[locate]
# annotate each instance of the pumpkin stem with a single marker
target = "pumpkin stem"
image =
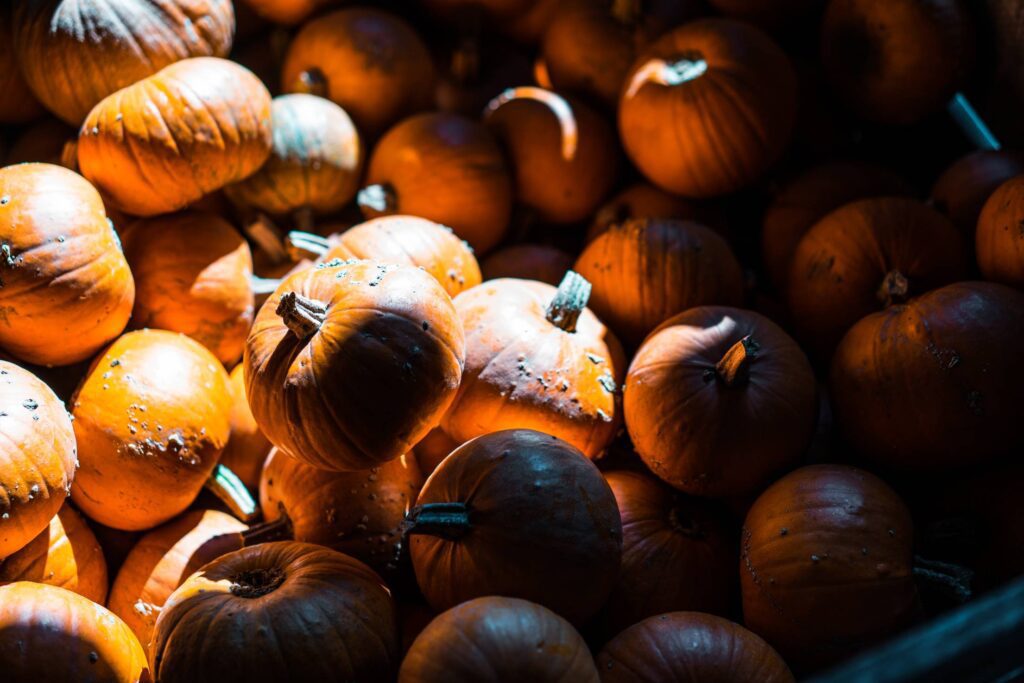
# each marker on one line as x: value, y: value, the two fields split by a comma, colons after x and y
x: 570, y: 300
x: 304, y: 219
x: 950, y: 580
x: 306, y: 245
x: 281, y: 529
x: 377, y: 198
x: 302, y: 315
x: 230, y: 490
x: 627, y: 11
x: 894, y: 288
x: 734, y: 368
x: 253, y: 583
x: 683, y: 524
x: 689, y: 67
x: 556, y: 104
x: 264, y: 233
x: 445, y: 520
x: 262, y: 286
x: 311, y: 82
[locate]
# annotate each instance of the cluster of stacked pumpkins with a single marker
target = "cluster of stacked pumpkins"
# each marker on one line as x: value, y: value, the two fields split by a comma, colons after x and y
x: 513, y: 340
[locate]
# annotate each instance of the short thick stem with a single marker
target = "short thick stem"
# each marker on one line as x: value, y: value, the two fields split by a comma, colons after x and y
x: 377, y: 198
x: 305, y: 245
x: 734, y: 368
x: 230, y: 490
x: 569, y: 302
x: 894, y: 288
x: 683, y: 524
x: 264, y: 233
x: 302, y: 315
x: 280, y: 529
x: 312, y: 82
x: 253, y: 583
x: 445, y: 520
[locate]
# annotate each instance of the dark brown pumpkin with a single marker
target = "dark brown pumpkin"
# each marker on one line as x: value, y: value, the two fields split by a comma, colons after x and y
x: 963, y: 188
x: 18, y: 104
x: 537, y: 262
x: 999, y: 241
x: 642, y: 200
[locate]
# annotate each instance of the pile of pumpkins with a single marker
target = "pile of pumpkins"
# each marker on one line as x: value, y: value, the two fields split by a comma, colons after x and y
x: 498, y: 340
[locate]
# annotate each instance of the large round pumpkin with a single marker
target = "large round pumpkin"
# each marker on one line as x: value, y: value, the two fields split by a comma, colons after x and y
x: 645, y: 271
x: 719, y: 400
x: 498, y: 517
x: 538, y: 262
x: 67, y: 289
x: 925, y: 385
x: 999, y: 241
x: 963, y: 188
x: 167, y: 140
x: 18, y: 105
x: 247, y: 447
x: 349, y: 364
x: 826, y: 564
x: 708, y: 107
x: 277, y: 612
x: 498, y: 639
x: 151, y: 419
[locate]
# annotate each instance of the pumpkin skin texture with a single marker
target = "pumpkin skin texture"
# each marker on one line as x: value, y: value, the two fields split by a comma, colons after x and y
x: 498, y: 639
x: 526, y: 370
x: 38, y: 460
x: 539, y: 523
x: 67, y: 287
x: 864, y: 257
x: 19, y: 105
x: 384, y: 336
x: 331, y: 616
x: 193, y: 275
x: 718, y: 400
x: 52, y: 634
x: 1000, y: 239
x: 151, y: 419
x: 528, y: 262
x: 690, y: 647
x: 66, y: 554
x: 922, y: 386
x: 825, y: 565
x: 963, y: 188
x: 445, y: 168
x: 247, y: 448
x: 643, y: 200
x: 369, y: 62
x: 316, y: 161
x: 647, y: 270
x: 713, y: 121
x: 184, y: 132
x: 288, y: 12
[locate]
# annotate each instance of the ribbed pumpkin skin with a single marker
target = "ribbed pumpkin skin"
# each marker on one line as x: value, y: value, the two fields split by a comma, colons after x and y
x: 167, y: 140
x: 247, y: 448
x: 643, y: 200
x: 18, y: 104
x: 52, y: 635
x: 330, y: 619
x: 66, y: 554
x: 67, y: 289
x: 38, y: 458
x: 127, y: 40
x: 1000, y: 237
x: 498, y: 639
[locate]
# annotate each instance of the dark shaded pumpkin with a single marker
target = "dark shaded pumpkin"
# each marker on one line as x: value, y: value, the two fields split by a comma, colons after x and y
x: 642, y: 200
x: 477, y: 68
x: 247, y: 448
x: 999, y: 241
x: 432, y: 449
x: 964, y: 187
x: 528, y: 262
x: 18, y: 105
x: 48, y: 141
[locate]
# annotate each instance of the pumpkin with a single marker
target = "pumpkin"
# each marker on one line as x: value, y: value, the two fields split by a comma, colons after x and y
x: 247, y: 448
x: 498, y: 11
x: 38, y: 460
x: 445, y: 168
x: 719, y: 400
x: 19, y: 105
x: 678, y: 552
x: 349, y: 364
x: 315, y: 163
x: 528, y: 28
x: 67, y: 289
x: 690, y: 647
x: 643, y: 200
x: 151, y: 418
x: 289, y: 12
x: 45, y: 141
x: 432, y: 449
x: 923, y: 386
x: 476, y: 70
x: 65, y: 554
x: 495, y: 638
x: 708, y: 108
x: 645, y: 271
x: 276, y: 612
x: 536, y: 358
x: 896, y: 61
x: 773, y: 14
x: 1000, y: 238
x: 167, y: 140
x: 322, y: 508
x: 963, y: 188
x: 369, y: 62
x: 863, y: 257
x: 564, y: 154
x: 74, y: 54
x: 68, y: 638
x: 193, y: 275
x: 528, y: 262
x: 826, y: 564
x: 808, y: 198
x: 498, y: 518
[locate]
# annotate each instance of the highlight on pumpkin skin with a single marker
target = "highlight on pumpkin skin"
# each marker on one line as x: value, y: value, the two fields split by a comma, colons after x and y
x: 556, y: 103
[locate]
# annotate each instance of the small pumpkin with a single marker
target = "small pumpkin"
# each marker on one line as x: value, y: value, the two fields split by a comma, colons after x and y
x: 645, y: 271
x: 963, y: 188
x: 74, y: 54
x: 445, y: 168
x: 826, y: 564
x: 496, y: 518
x: 432, y: 449
x: 537, y: 358
x: 19, y: 105
x: 247, y: 447
x: 999, y: 239
x: 349, y: 364
x: 369, y: 62
x: 332, y: 619
x: 70, y: 638
x: 690, y: 647
x: 538, y: 262
x: 288, y: 12
x: 167, y: 140
x: 708, y: 108
x: 151, y: 419
x: 495, y: 638
x: 643, y: 200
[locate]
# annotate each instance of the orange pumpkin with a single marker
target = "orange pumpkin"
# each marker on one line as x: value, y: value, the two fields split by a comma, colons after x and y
x: 642, y: 200
x: 73, y: 54
x: 432, y: 449
x: 288, y: 12
x: 247, y: 448
x: 369, y: 62
x: 18, y: 105
x: 445, y: 168
x: 963, y: 188
x: 67, y: 289
x: 708, y: 108
x: 478, y: 68
x: 528, y: 262
x: 165, y: 141
x: 349, y: 364
x: 151, y: 419
x: 1000, y: 237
